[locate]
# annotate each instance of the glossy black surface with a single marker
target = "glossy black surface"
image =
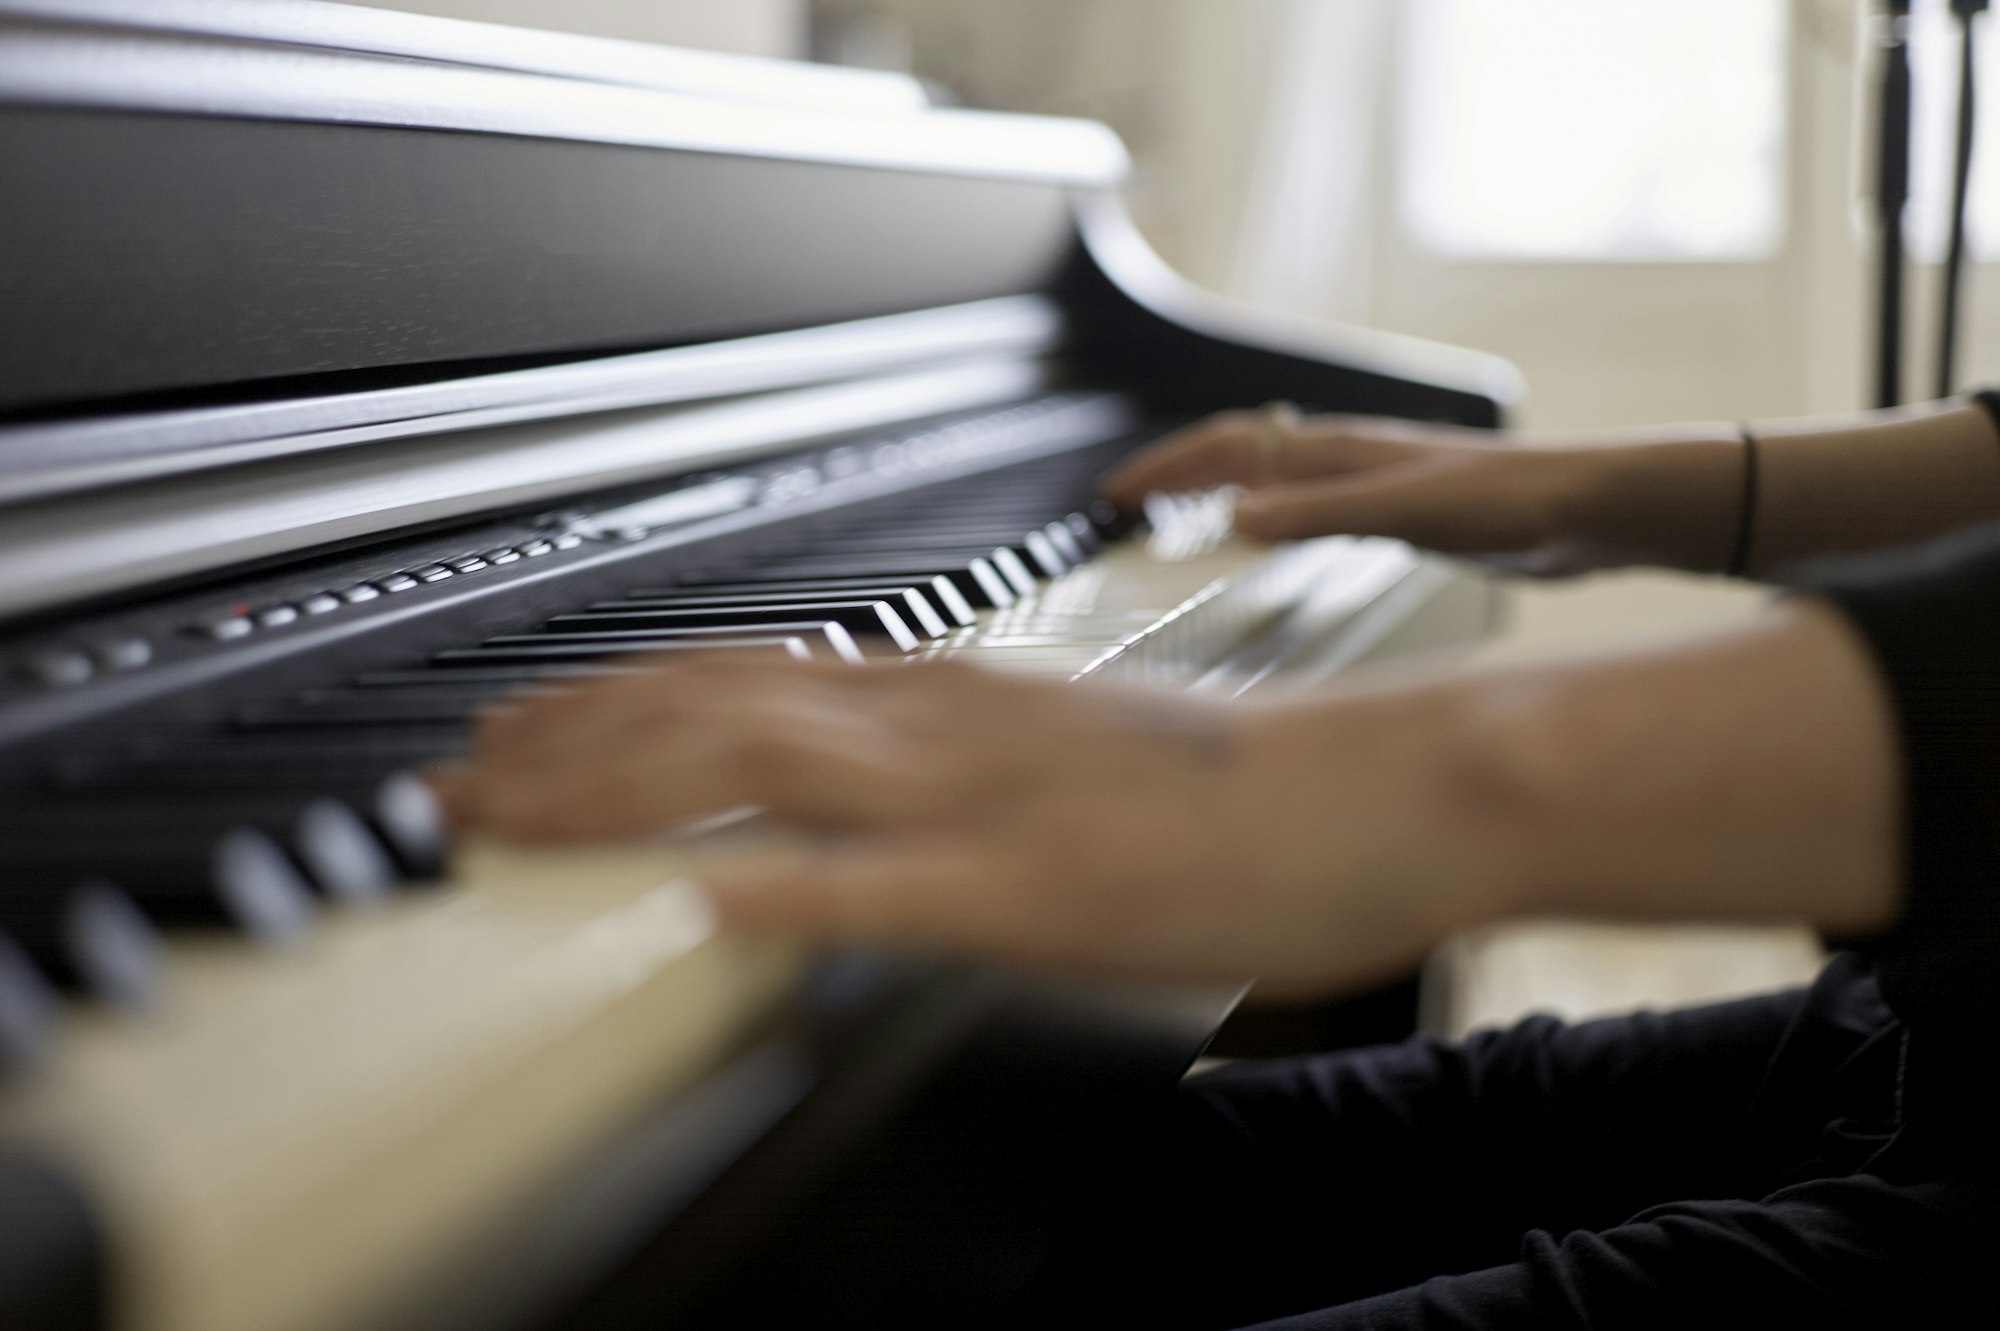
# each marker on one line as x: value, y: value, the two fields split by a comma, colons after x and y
x: 145, y: 253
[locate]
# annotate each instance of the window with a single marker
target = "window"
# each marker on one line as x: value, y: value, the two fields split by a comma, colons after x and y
x: 1594, y: 129
x: 1934, y: 67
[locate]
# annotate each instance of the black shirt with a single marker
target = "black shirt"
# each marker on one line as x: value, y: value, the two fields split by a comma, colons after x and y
x: 1931, y: 617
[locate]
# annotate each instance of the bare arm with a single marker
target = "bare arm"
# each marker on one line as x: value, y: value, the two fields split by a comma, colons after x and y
x: 1869, y: 482
x: 1318, y: 843
x: 1668, y: 496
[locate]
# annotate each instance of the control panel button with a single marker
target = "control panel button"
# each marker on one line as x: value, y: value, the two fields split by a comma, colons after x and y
x: 397, y: 582
x: 465, y: 564
x: 276, y: 616
x: 61, y: 667
x: 324, y: 603
x: 535, y: 549
x: 225, y: 627
x: 431, y: 573
x: 359, y: 593
x: 569, y: 540
x: 123, y: 653
x: 501, y: 556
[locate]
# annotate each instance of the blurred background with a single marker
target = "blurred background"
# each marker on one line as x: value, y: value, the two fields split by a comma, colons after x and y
x: 1658, y: 211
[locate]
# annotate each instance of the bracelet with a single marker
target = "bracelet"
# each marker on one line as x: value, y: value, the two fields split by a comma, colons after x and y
x: 1275, y: 423
x: 1746, y: 512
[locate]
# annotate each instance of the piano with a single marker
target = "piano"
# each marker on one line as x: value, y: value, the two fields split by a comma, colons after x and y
x: 359, y: 371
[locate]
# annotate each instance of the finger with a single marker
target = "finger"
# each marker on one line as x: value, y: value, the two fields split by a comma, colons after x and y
x: 804, y: 759
x: 1428, y: 505
x: 543, y: 731
x: 1224, y: 450
x: 620, y: 796
x: 1212, y: 452
x: 898, y: 890
x: 948, y: 894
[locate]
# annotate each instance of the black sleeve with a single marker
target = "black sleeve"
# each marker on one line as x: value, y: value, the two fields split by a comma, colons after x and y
x: 1931, y: 616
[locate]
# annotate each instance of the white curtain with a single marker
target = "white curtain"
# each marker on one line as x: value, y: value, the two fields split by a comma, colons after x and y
x: 1253, y: 123
x: 1305, y: 236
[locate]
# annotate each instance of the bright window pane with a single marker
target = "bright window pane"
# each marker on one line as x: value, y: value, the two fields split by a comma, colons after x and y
x: 1934, y: 66
x: 1594, y: 129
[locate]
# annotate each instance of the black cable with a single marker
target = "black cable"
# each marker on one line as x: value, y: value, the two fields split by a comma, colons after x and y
x: 1961, y: 182
x: 1892, y: 192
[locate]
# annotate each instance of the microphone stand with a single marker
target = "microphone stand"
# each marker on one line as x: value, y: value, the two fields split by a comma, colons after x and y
x: 1892, y: 192
x: 1954, y: 263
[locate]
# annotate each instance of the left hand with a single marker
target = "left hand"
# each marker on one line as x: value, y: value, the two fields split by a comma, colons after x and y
x: 1029, y: 821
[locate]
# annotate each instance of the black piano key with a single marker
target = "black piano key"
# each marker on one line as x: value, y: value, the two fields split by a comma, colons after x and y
x: 341, y: 854
x: 406, y: 814
x: 28, y: 1010
x: 517, y: 677
x: 941, y: 593
x: 1112, y: 522
x: 87, y: 936
x: 1066, y: 543
x: 304, y: 762
x: 248, y: 875
x: 336, y: 848
x: 979, y: 576
x: 1036, y: 554
x: 391, y: 805
x: 874, y: 618
x: 110, y: 948
x: 1006, y: 549
x: 444, y: 703
x: 947, y: 528
x: 184, y: 875
x: 827, y: 634
x: 952, y: 529
x: 909, y: 603
x: 457, y: 672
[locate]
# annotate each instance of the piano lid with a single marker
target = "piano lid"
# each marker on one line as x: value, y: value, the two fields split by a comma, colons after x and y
x: 372, y: 31
x: 254, y: 200
x: 302, y: 60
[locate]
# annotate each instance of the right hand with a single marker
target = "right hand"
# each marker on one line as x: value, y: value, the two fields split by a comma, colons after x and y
x: 1532, y: 506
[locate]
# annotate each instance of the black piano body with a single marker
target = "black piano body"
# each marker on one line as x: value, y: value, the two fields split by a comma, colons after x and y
x: 333, y: 341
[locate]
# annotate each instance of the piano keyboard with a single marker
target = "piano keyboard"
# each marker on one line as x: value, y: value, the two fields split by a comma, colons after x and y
x: 296, y: 1118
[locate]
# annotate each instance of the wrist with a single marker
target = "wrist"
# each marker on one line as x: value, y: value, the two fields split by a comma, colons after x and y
x: 1672, y: 502
x: 1874, y: 481
x: 1747, y: 774
x: 1406, y: 782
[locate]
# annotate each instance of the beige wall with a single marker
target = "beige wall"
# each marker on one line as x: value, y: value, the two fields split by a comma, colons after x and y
x: 1175, y: 78
x: 1195, y: 86
x: 749, y: 27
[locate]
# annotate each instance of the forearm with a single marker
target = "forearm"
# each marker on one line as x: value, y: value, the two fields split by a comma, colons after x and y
x: 1824, y: 486
x: 1887, y: 479
x: 1749, y: 775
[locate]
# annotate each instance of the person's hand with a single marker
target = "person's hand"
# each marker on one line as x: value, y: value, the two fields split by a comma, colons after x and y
x: 1054, y: 825
x: 1536, y: 505
x: 1315, y: 844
